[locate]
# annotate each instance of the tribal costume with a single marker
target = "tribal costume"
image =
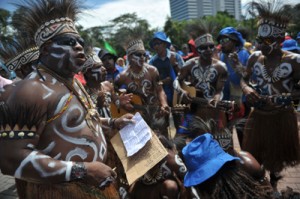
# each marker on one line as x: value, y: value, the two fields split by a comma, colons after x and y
x: 271, y: 133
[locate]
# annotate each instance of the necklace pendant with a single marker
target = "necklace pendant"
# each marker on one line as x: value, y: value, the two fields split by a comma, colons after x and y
x: 91, y: 115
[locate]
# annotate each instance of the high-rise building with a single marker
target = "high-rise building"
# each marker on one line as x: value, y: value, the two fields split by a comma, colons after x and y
x: 191, y: 9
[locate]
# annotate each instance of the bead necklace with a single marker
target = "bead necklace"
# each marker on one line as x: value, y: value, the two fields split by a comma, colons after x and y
x: 139, y: 75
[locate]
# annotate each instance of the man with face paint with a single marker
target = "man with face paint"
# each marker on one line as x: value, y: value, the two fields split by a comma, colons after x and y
x: 102, y: 93
x: 51, y: 135
x: 142, y: 80
x: 207, y: 75
x: 271, y: 133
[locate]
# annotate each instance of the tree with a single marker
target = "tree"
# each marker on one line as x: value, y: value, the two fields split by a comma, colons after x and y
x: 6, y: 33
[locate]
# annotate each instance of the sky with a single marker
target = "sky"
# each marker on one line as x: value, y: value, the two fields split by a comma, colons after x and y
x: 100, y: 12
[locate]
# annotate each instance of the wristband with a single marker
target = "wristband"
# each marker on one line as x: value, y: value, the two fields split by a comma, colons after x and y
x: 78, y: 171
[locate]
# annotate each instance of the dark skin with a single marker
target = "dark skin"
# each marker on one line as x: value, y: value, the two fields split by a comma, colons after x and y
x: 205, y: 59
x: 65, y: 60
x: 270, y: 60
x: 136, y: 65
x: 95, y: 78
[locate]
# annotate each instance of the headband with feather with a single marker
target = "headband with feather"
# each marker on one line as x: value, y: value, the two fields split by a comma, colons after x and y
x: 204, y: 30
x: 45, y: 19
x: 19, y: 52
x: 272, y: 18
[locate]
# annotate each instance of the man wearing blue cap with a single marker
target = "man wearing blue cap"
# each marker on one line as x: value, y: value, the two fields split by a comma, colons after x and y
x: 167, y: 63
x: 232, y: 42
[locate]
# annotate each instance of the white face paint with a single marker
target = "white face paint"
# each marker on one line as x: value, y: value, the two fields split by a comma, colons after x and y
x: 66, y: 55
x: 139, y: 61
x: 96, y: 73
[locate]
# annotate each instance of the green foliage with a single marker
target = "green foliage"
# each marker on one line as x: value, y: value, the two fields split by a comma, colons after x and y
x: 6, y: 32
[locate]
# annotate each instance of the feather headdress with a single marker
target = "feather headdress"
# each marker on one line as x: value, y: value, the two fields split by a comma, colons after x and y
x: 44, y: 19
x: 272, y: 18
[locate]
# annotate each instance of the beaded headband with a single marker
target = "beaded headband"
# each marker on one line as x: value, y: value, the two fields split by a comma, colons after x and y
x: 270, y: 28
x: 135, y: 46
x: 225, y: 140
x: 27, y: 56
x: 52, y: 28
x: 203, y: 39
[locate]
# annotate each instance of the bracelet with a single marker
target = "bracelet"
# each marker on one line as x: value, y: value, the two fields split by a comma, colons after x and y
x: 111, y: 122
x: 78, y: 171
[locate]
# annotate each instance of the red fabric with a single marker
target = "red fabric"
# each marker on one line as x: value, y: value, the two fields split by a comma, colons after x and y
x: 193, y: 48
x: 80, y: 77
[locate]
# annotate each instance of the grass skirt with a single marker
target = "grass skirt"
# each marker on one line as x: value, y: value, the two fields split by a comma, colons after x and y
x: 69, y: 190
x: 272, y: 138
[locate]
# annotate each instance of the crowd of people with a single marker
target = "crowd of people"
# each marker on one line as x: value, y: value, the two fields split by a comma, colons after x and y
x: 61, y: 102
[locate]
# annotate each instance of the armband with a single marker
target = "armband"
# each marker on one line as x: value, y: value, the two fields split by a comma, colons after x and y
x: 78, y: 171
x: 14, y: 135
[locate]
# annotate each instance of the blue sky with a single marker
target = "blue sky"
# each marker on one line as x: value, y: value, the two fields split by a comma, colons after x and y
x: 100, y: 12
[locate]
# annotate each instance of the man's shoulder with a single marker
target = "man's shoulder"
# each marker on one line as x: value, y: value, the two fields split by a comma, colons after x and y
x: 219, y: 64
x: 150, y: 67
x: 255, y: 55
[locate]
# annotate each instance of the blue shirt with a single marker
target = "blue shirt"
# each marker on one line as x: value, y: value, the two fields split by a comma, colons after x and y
x: 112, y: 76
x: 233, y: 78
x: 165, y: 70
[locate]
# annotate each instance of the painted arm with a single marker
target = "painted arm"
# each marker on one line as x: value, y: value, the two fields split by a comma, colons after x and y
x: 22, y: 125
x: 248, y: 91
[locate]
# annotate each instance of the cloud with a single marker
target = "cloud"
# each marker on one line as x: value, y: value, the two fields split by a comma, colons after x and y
x: 154, y: 11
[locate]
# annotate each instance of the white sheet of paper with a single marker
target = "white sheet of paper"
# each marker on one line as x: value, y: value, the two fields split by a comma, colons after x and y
x: 135, y: 135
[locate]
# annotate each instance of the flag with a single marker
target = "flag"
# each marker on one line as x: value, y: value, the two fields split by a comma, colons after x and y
x: 109, y: 48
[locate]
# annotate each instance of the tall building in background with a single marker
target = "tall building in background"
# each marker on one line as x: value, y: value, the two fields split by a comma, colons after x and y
x: 191, y: 9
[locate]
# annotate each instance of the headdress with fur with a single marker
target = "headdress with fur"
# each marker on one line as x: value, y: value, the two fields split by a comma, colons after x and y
x: 92, y: 58
x: 272, y: 18
x: 45, y: 19
x: 135, y: 45
x: 205, y: 30
x: 19, y: 52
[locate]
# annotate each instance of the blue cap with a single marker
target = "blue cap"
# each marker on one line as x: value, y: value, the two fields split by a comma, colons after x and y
x: 298, y: 35
x: 290, y: 44
x: 161, y: 36
x: 203, y: 157
x: 233, y: 34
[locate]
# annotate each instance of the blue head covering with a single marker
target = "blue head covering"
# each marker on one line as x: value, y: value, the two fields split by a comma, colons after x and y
x: 203, y: 157
x: 233, y: 34
x: 290, y: 44
x: 161, y: 36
